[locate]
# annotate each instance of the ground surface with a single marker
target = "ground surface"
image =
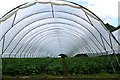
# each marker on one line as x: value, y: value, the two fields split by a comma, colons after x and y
x: 72, y: 77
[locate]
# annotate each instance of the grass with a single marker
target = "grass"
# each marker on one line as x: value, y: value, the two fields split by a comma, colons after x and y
x: 101, y: 75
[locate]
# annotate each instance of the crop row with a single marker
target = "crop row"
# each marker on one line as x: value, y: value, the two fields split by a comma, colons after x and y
x: 55, y: 66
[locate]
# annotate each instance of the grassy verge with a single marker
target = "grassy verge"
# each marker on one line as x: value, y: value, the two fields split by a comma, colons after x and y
x: 101, y: 75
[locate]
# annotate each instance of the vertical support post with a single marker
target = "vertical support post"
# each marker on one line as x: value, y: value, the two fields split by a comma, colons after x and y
x: 113, y: 51
x: 108, y: 55
x: 3, y: 43
x: 111, y: 44
x: 1, y: 51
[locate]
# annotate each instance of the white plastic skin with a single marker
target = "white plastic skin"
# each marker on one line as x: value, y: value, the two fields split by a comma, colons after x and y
x: 52, y: 27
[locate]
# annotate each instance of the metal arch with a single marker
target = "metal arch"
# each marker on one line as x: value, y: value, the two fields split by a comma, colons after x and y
x: 103, y: 44
x: 81, y: 7
x: 78, y: 32
x: 37, y: 37
x: 70, y: 20
x: 41, y: 19
x: 98, y: 31
x: 51, y: 3
x: 98, y: 19
x: 64, y: 23
x: 49, y: 17
x: 87, y: 48
x: 15, y: 36
x: 3, y: 43
x: 34, y: 41
x: 66, y: 27
x: 13, y: 20
x: 50, y: 36
x: 46, y: 43
x: 111, y: 44
x: 34, y: 35
x: 28, y: 43
x: 95, y: 44
x: 82, y: 38
x: 71, y: 37
x: 14, y: 9
x: 54, y: 17
x: 42, y: 47
x: 45, y: 39
x: 30, y: 50
x: 98, y: 49
x: 18, y: 32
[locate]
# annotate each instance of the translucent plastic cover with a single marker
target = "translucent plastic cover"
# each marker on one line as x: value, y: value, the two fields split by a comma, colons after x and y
x: 49, y: 28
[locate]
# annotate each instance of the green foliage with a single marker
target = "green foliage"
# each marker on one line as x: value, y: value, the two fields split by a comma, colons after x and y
x: 111, y: 28
x: 54, y: 66
x: 22, y: 66
x: 63, y: 55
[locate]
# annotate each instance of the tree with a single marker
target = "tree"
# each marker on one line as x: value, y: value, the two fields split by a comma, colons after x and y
x: 110, y: 27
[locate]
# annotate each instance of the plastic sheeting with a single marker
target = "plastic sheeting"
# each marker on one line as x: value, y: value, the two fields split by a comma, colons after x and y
x: 49, y: 28
x: 117, y: 34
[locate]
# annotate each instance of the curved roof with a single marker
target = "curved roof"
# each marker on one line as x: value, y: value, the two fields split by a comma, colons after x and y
x: 46, y: 28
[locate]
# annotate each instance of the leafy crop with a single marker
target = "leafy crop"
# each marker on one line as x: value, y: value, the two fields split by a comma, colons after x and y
x: 54, y: 66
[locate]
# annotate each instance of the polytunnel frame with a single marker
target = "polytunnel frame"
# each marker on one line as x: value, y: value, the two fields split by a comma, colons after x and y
x: 31, y: 23
x: 38, y: 40
x: 66, y: 27
x: 11, y: 52
x: 64, y: 35
x: 81, y: 7
x: 37, y: 34
x: 72, y: 34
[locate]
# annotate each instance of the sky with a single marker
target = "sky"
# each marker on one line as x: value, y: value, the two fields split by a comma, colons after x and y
x: 107, y: 10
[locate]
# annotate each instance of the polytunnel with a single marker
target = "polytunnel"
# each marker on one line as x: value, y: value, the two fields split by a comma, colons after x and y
x: 47, y: 28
